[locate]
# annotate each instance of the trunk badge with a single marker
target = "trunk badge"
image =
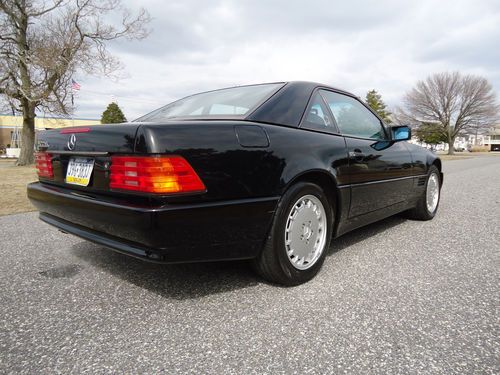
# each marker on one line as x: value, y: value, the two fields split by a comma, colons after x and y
x: 71, y: 142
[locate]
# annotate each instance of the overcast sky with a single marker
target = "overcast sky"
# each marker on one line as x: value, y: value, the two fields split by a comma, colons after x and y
x: 356, y: 45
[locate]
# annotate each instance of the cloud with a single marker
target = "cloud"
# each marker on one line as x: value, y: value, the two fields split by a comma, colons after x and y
x: 356, y: 45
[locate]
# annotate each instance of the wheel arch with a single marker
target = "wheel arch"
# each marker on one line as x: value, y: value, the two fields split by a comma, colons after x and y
x: 329, y: 185
x: 438, y: 164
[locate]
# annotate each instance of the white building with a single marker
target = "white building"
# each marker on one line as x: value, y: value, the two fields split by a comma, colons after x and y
x: 493, y: 138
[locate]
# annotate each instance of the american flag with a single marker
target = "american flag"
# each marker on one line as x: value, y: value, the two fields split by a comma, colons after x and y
x: 75, y: 85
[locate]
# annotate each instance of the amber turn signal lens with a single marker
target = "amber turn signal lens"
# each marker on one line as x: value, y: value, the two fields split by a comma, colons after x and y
x: 154, y: 174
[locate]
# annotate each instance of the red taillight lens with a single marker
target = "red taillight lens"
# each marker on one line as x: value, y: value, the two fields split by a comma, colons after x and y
x: 154, y: 174
x: 43, y: 163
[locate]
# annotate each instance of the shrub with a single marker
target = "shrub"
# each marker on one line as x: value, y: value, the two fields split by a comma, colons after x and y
x: 479, y: 149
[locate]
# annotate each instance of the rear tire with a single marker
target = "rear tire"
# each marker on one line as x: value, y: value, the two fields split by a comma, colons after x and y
x: 428, y: 202
x: 299, y: 238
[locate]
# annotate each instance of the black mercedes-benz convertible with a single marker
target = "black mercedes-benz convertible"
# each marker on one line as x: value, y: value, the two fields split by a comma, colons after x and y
x: 268, y: 172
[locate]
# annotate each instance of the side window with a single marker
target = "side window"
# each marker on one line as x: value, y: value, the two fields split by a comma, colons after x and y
x: 317, y: 116
x: 352, y: 117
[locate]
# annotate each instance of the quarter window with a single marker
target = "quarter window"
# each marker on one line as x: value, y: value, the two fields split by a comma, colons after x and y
x: 317, y: 116
x: 352, y: 117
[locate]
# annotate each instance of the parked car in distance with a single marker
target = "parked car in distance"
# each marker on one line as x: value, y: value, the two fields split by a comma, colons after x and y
x: 269, y: 173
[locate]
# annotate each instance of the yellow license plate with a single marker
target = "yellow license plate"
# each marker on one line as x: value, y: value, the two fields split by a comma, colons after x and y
x: 79, y: 171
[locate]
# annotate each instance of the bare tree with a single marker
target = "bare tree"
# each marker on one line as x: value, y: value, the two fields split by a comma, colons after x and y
x: 43, y: 43
x: 455, y: 103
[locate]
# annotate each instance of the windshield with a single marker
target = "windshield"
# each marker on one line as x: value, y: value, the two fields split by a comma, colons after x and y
x: 232, y: 102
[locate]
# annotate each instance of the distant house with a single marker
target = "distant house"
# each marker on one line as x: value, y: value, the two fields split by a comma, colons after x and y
x: 493, y: 138
x: 489, y: 138
x: 11, y: 127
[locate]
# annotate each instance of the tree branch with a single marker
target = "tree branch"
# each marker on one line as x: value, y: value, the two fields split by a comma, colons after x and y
x: 40, y: 13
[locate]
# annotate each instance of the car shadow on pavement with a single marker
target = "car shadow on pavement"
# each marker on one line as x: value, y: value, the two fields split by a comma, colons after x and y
x: 352, y: 238
x: 177, y: 281
x: 196, y: 280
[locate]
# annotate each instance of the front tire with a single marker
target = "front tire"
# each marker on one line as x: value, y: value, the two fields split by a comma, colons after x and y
x: 299, y: 238
x: 428, y: 202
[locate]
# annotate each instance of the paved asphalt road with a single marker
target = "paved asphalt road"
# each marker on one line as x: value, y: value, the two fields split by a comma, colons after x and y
x: 395, y: 297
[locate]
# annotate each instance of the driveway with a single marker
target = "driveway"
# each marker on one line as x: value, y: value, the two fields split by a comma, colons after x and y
x: 399, y: 296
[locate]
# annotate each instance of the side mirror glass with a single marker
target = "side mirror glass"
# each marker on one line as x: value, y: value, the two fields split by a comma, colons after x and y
x: 400, y: 133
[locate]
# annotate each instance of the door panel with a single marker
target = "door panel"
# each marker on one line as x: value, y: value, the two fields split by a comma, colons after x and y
x: 380, y: 170
x: 380, y: 173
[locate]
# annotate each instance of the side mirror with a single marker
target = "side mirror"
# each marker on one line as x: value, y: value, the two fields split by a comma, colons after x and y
x: 400, y: 133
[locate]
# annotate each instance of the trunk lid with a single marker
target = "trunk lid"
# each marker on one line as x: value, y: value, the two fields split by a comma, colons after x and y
x: 118, y: 138
x: 93, y: 144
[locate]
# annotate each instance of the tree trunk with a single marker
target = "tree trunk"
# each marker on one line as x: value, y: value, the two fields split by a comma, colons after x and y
x: 28, y: 106
x: 451, y: 148
x: 451, y: 143
x: 28, y: 136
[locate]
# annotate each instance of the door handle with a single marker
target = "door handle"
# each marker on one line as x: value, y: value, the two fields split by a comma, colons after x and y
x: 356, y: 154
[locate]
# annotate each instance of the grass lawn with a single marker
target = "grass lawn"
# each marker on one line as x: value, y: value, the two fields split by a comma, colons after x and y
x: 13, y: 181
x: 465, y: 155
x: 454, y: 157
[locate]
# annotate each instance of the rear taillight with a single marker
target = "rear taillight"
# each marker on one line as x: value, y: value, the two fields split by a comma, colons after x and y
x: 154, y: 174
x: 43, y: 161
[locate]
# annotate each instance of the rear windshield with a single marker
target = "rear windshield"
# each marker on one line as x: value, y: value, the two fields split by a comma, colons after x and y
x: 231, y: 102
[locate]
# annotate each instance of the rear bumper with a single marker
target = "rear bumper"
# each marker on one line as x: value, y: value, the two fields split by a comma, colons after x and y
x: 168, y: 234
